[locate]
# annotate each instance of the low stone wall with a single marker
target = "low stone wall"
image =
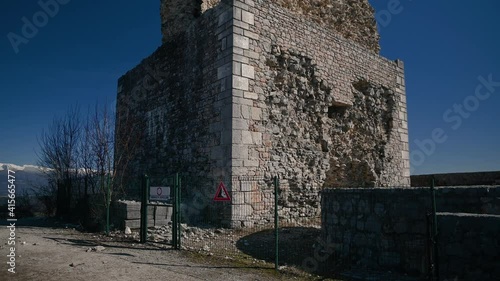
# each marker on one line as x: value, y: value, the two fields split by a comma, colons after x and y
x: 128, y: 214
x: 378, y: 229
x: 386, y: 229
x: 469, y: 246
x: 454, y: 179
x: 469, y: 199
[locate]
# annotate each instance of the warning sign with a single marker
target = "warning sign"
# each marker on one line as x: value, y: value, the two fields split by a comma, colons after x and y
x: 222, y: 194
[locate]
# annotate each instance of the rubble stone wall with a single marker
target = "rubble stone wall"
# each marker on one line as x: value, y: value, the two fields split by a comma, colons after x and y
x: 313, y: 107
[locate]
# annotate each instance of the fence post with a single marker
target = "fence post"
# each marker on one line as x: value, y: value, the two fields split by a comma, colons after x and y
x: 144, y: 208
x: 174, y: 215
x: 276, y: 221
x: 108, y: 203
x: 435, y: 231
x: 179, y: 209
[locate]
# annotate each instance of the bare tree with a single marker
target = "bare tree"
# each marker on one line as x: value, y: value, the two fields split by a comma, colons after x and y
x: 103, y: 141
x: 101, y: 132
x: 83, y: 158
x: 87, y: 159
x: 59, y: 152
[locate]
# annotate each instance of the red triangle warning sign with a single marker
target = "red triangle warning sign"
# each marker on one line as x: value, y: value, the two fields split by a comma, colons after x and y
x: 222, y: 194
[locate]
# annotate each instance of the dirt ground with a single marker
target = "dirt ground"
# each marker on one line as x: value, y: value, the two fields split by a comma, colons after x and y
x: 45, y: 251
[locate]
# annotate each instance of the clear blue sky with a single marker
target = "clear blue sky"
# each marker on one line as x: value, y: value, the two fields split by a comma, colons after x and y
x: 78, y: 55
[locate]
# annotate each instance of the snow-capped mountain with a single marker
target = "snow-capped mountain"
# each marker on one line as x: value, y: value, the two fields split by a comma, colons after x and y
x: 28, y: 177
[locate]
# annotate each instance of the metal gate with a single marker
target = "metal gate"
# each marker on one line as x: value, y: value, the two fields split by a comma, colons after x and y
x: 231, y: 218
x: 167, y: 196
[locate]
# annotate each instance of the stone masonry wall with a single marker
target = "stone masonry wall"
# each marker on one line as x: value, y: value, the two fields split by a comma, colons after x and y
x: 182, y: 103
x: 353, y: 19
x: 245, y: 90
x: 454, y: 179
x: 385, y: 229
x: 469, y: 246
x: 314, y: 108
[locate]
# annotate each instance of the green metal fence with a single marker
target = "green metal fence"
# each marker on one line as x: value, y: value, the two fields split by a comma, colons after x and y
x: 247, y: 220
x: 242, y: 225
x: 232, y: 218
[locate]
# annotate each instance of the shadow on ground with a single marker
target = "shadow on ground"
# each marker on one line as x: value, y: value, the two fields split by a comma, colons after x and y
x: 302, y: 247
x: 296, y: 244
x: 42, y: 222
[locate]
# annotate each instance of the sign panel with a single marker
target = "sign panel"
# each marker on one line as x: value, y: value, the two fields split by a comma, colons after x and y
x: 222, y: 194
x: 159, y: 193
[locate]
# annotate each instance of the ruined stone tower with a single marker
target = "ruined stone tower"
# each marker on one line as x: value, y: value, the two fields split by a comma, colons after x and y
x: 242, y: 90
x: 353, y: 19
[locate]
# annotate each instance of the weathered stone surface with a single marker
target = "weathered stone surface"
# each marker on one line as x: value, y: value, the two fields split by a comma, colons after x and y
x: 354, y: 19
x: 250, y: 89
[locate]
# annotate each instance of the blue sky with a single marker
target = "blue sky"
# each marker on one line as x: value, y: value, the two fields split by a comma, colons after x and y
x: 79, y: 53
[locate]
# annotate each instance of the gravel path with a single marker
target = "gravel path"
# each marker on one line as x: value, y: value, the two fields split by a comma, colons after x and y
x: 48, y: 253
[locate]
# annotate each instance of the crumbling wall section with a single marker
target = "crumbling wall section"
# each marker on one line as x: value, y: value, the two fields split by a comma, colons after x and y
x: 313, y: 107
x: 353, y: 19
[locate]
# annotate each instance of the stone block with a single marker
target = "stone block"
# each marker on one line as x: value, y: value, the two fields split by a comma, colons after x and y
x: 224, y: 17
x: 240, y: 58
x: 246, y: 186
x: 252, y: 96
x: 240, y: 24
x: 136, y: 223
x: 240, y: 83
x: 241, y: 41
x: 237, y: 68
x: 247, y: 71
x: 248, y: 17
x: 251, y: 35
x: 256, y: 137
x: 242, y: 211
x: 246, y: 137
x: 236, y: 137
x: 239, y: 152
x: 236, y: 13
x: 163, y: 212
x: 224, y: 71
x: 238, y: 198
x: 251, y: 163
x: 253, y: 197
x: 405, y: 155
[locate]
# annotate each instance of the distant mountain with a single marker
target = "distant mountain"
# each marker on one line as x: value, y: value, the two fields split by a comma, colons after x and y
x: 28, y: 177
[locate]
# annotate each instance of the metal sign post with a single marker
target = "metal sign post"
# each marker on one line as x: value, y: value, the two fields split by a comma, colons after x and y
x: 144, y: 208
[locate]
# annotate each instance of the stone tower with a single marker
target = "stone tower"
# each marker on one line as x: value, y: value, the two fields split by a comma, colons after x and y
x: 243, y: 90
x: 353, y: 19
